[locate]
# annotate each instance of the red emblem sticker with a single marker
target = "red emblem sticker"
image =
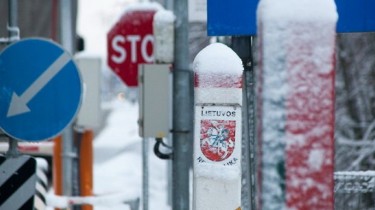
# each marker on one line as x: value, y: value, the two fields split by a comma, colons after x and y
x: 217, y: 139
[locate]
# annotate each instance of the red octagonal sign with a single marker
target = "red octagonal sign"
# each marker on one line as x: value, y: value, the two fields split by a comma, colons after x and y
x: 130, y: 42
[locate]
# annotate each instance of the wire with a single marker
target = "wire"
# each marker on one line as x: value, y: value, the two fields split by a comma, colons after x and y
x: 158, y: 153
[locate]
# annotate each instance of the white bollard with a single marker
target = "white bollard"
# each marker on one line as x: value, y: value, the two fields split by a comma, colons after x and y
x: 296, y: 104
x: 218, y: 129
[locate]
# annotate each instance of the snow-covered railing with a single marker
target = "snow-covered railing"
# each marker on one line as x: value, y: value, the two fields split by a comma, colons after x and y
x: 354, y: 181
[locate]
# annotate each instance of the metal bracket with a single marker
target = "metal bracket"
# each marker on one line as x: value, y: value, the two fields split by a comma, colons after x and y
x: 15, y: 35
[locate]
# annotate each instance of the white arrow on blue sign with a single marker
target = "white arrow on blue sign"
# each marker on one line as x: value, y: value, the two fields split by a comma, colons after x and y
x: 40, y: 89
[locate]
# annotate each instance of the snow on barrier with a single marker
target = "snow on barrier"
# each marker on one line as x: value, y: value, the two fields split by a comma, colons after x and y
x: 296, y: 104
x: 217, y: 139
x: 353, y: 189
x: 354, y: 182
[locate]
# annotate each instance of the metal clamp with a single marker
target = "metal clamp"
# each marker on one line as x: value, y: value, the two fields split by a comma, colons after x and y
x: 15, y: 35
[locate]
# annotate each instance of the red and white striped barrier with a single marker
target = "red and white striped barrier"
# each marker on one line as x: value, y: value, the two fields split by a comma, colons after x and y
x: 217, y: 139
x: 32, y: 148
x: 296, y: 104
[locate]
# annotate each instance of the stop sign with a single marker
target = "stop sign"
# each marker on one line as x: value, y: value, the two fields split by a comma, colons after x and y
x: 130, y: 42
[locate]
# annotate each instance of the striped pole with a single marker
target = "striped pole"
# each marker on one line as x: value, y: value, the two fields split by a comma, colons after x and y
x: 218, y: 129
x: 17, y: 182
x: 41, y: 184
x: 296, y: 104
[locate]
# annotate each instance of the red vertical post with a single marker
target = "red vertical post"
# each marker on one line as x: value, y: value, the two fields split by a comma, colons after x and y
x: 296, y: 104
x: 57, y: 167
x: 86, y: 166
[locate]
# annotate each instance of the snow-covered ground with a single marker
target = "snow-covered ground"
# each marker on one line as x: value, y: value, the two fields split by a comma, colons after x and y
x: 118, y: 160
x: 118, y: 165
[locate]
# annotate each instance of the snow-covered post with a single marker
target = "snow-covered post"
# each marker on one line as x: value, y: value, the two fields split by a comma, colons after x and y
x: 296, y: 104
x: 163, y: 28
x: 217, y: 138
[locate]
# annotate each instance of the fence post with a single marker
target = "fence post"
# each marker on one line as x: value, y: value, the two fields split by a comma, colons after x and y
x: 296, y: 104
x: 86, y: 165
x: 57, y: 167
x: 218, y: 129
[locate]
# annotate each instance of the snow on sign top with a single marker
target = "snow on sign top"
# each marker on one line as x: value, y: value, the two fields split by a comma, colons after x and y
x: 143, y: 6
x: 163, y: 26
x: 218, y: 58
x: 303, y: 9
x: 164, y: 16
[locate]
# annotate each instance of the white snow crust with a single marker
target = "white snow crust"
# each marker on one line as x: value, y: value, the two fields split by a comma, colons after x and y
x: 164, y: 36
x: 298, y: 10
x: 143, y: 6
x: 164, y: 17
x: 218, y: 58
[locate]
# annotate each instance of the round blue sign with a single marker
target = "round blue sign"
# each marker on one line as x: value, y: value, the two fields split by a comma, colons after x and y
x: 40, y: 90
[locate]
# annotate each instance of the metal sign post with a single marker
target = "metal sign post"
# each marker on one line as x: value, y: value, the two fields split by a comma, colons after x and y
x: 13, y: 36
x: 218, y: 129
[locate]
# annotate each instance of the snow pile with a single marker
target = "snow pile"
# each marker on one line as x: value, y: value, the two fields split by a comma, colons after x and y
x: 218, y: 75
x: 118, y: 161
x: 295, y: 88
x: 164, y: 36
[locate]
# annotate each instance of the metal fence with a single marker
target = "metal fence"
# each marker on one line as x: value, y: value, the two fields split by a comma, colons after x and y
x: 354, y: 190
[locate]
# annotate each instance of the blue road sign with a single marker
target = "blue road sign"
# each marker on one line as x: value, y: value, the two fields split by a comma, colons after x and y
x: 239, y: 17
x: 40, y: 90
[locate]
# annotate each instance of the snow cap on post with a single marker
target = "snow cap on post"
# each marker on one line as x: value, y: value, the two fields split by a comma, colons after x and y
x: 164, y: 36
x: 217, y: 69
x: 143, y: 6
x: 297, y: 10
